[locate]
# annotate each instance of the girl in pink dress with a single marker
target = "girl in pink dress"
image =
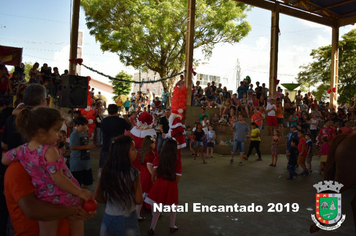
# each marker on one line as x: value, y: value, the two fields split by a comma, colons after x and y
x: 42, y: 160
x: 167, y: 171
x: 146, y: 158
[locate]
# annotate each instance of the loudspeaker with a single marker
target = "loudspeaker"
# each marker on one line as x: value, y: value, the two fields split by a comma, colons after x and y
x: 74, y: 92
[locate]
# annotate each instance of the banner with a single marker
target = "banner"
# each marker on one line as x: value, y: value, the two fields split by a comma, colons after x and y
x: 10, y: 56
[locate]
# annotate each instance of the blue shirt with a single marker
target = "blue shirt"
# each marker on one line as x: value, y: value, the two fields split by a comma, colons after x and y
x: 79, y: 159
x: 290, y: 137
x: 241, y: 129
x: 127, y: 104
x: 165, y: 96
x: 310, y: 145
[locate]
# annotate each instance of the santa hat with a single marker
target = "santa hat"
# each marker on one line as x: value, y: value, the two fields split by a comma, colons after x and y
x: 145, y: 119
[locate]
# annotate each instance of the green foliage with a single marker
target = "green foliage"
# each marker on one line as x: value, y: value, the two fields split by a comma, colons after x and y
x: 121, y: 88
x: 28, y: 66
x: 151, y: 34
x: 318, y: 72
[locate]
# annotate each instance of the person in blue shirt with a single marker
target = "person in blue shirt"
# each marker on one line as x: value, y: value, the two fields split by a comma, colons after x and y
x: 293, y: 134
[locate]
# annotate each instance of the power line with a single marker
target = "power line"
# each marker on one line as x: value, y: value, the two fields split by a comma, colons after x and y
x: 33, y: 18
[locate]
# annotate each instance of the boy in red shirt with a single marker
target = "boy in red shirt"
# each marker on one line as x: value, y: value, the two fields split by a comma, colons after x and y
x: 302, y: 149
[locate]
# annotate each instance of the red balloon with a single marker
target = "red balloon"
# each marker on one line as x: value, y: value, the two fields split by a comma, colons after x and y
x: 90, y: 205
x: 181, y: 104
x: 83, y: 112
x: 334, y: 90
x: 329, y: 91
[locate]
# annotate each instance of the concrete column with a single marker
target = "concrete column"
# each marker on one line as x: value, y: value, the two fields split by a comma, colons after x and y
x: 189, y: 49
x: 274, y: 50
x: 334, y: 65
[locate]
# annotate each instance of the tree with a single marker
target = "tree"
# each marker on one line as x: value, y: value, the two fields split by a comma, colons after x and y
x: 152, y: 34
x: 121, y: 88
x: 28, y: 66
x: 318, y: 72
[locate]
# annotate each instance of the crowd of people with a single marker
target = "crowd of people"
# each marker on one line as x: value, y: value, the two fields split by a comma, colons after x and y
x: 44, y: 191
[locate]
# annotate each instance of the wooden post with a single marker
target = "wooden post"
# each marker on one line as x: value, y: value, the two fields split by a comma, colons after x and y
x: 74, y: 36
x: 274, y: 50
x: 334, y: 65
x: 189, y: 49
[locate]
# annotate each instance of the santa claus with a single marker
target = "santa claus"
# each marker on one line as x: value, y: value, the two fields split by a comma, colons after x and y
x: 143, y: 128
x: 176, y: 129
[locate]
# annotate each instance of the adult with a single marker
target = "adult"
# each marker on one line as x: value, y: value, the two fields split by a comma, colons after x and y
x: 241, y: 90
x: 149, y: 96
x: 111, y: 126
x: 257, y: 118
x: 327, y: 130
x: 240, y: 129
x: 202, y: 114
x: 163, y: 129
x: 292, y: 135
x: 258, y: 90
x: 165, y: 97
x: 157, y: 103
x: 14, y: 83
x: 264, y: 91
x: 213, y: 86
x: 57, y: 81
x: 24, y: 208
x: 271, y: 116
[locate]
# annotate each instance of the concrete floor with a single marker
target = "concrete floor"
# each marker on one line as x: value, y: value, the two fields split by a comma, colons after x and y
x: 220, y: 183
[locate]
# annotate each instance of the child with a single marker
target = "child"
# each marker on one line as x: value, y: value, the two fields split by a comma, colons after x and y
x: 199, y: 136
x: 324, y: 150
x: 292, y: 160
x: 302, y: 149
x: 188, y: 134
x: 222, y: 123
x: 309, y: 150
x: 63, y: 146
x: 80, y: 163
x: 41, y: 158
x: 167, y: 170
x: 119, y: 186
x: 211, y: 136
x: 205, y: 127
x: 255, y: 141
x: 127, y: 106
x: 274, y: 149
x: 146, y: 157
x: 215, y: 120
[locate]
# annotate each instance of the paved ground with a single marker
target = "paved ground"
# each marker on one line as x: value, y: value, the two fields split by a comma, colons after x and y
x: 220, y: 183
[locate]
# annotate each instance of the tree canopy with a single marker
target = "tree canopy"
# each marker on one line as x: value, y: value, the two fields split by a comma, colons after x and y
x: 121, y: 88
x: 152, y: 34
x: 318, y: 72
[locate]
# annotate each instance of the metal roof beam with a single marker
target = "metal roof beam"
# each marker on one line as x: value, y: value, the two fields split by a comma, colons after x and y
x: 291, y: 11
x: 347, y: 21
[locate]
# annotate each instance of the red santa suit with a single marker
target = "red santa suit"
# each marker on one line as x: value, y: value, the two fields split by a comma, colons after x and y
x: 176, y: 130
x: 140, y: 131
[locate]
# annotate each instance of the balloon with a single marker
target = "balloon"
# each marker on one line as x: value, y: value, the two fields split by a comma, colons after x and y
x: 181, y: 104
x: 176, y: 88
x: 89, y: 78
x: 334, y: 90
x: 248, y: 79
x: 90, y: 205
x: 88, y: 87
x: 183, y: 88
x: 329, y: 91
x: 90, y: 121
x: 88, y: 108
x: 83, y: 112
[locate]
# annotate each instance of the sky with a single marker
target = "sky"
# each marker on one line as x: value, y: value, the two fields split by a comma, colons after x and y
x: 42, y: 29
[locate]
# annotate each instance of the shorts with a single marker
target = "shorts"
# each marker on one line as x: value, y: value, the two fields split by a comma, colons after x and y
x: 127, y: 108
x: 323, y: 158
x: 309, y: 158
x: 272, y: 121
x: 280, y: 121
x: 210, y: 144
x: 119, y: 108
x: 301, y: 159
x: 238, y: 145
x: 198, y: 144
x: 102, y: 158
x: 84, y: 176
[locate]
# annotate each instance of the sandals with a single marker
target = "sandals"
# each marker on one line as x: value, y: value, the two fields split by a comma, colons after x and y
x: 173, y: 229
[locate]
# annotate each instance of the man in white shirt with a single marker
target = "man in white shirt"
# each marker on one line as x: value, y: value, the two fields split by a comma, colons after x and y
x: 271, y: 116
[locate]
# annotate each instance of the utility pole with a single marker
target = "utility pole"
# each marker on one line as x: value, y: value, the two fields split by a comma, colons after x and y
x: 238, y: 73
x: 74, y: 36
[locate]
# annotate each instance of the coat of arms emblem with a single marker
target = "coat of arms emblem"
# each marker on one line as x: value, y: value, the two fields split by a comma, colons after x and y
x: 328, y: 205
